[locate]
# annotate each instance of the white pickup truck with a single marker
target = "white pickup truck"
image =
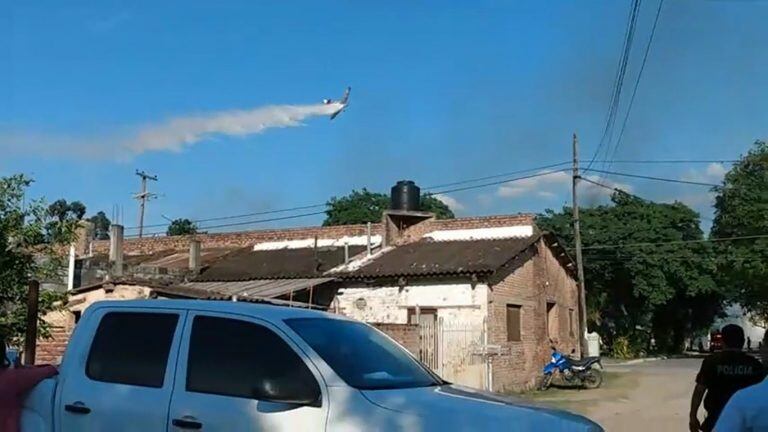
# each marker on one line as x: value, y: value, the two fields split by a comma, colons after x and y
x: 178, y: 365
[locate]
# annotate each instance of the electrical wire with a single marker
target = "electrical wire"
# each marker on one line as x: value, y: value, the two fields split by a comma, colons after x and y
x: 668, y: 180
x: 541, y: 174
x: 203, y: 228
x: 618, y: 82
x: 711, y: 240
x: 240, y: 216
x: 543, y: 167
x: 637, y: 82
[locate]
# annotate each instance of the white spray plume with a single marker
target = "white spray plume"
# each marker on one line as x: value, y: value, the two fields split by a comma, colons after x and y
x: 179, y: 132
x: 173, y: 134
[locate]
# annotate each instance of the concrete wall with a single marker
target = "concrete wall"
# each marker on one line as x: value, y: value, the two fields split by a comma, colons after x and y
x: 456, y: 301
x: 540, y: 280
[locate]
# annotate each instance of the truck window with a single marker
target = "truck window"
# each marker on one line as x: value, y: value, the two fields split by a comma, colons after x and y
x: 132, y: 348
x: 234, y: 358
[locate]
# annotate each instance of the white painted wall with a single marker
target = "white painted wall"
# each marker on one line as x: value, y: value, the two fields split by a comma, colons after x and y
x: 454, y: 302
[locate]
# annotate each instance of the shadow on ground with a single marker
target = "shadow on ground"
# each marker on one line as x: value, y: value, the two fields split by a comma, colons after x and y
x: 616, y: 386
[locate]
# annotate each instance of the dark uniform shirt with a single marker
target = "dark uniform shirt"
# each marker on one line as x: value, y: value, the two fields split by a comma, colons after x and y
x: 723, y: 374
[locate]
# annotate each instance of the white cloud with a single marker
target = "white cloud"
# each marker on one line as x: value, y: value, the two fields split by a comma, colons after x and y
x: 713, y: 173
x: 173, y: 135
x: 702, y: 199
x: 559, y: 184
x: 452, y: 202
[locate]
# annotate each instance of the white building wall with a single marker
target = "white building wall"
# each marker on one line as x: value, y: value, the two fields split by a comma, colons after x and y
x: 458, y: 302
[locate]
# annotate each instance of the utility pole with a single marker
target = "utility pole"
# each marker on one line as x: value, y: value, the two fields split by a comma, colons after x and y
x: 143, y: 197
x: 579, y: 262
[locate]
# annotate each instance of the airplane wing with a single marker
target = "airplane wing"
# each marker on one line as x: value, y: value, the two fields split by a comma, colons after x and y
x: 344, y: 99
x: 333, y: 116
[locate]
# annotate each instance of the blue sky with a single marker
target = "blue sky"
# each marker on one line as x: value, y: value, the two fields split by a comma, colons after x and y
x: 442, y: 91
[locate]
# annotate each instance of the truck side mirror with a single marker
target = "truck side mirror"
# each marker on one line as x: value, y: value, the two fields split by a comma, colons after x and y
x: 288, y: 390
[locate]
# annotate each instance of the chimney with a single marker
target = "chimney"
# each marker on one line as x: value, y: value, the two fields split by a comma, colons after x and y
x: 116, y: 249
x: 195, y: 257
x: 404, y: 213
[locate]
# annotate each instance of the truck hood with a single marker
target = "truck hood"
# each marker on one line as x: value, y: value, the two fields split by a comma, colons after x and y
x: 463, y: 408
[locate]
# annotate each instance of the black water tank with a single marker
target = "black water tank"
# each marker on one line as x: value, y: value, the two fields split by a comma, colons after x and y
x: 406, y: 196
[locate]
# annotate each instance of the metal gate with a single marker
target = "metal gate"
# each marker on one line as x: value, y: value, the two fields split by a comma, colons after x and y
x: 450, y: 349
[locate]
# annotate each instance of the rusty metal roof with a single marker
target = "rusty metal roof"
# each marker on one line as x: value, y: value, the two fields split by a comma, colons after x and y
x: 435, y: 258
x: 256, y: 288
x: 276, y: 264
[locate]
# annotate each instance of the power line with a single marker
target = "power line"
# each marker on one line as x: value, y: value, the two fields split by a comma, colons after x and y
x: 240, y: 216
x: 667, y: 161
x: 668, y: 180
x: 543, y: 167
x: 711, y: 240
x: 248, y: 222
x: 462, y: 182
x: 499, y: 182
x: 618, y: 83
x: 637, y: 81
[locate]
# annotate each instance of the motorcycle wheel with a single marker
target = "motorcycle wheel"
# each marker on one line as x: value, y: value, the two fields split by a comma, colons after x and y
x: 544, y: 382
x: 592, y: 379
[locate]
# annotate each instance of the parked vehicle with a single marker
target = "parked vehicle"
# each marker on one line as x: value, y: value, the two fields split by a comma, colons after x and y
x: 575, y: 372
x: 178, y: 365
x: 715, y: 341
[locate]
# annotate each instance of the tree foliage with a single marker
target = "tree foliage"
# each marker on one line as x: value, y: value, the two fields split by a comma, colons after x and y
x: 741, y: 209
x: 61, y: 214
x: 364, y: 206
x: 181, y: 227
x: 639, y: 292
x: 32, y: 238
x: 101, y: 224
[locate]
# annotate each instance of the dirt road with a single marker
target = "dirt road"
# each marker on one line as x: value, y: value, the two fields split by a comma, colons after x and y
x: 652, y: 396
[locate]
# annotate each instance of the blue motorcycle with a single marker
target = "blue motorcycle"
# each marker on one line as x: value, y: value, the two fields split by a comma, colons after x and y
x: 581, y: 373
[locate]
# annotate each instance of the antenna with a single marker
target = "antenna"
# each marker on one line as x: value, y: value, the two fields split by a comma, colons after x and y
x: 143, y: 197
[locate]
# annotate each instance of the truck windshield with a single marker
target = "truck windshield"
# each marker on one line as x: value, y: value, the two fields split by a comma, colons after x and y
x: 363, y: 357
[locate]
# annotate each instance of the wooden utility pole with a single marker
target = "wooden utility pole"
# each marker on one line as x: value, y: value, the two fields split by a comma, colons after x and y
x: 30, y: 338
x: 579, y: 262
x: 143, y: 196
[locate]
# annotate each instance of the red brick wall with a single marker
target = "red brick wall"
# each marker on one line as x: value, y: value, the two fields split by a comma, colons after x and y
x: 149, y: 245
x: 406, y: 335
x: 538, y: 281
x: 50, y: 351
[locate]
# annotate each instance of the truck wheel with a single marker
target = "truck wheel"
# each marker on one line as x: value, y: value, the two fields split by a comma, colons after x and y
x: 592, y: 379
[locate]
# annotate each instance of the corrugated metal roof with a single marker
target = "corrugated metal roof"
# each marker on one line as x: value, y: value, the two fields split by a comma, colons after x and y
x: 257, y: 287
x: 276, y: 264
x: 432, y: 258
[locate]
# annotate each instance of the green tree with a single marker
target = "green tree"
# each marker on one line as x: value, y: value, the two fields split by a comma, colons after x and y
x: 101, y: 224
x: 638, y: 292
x: 181, y: 227
x: 364, y: 206
x: 741, y: 209
x: 23, y: 256
x: 61, y: 213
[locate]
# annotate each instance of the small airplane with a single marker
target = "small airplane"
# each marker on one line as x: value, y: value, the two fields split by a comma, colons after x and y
x: 343, y: 102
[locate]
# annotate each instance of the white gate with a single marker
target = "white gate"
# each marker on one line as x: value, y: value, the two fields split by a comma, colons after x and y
x: 450, y: 349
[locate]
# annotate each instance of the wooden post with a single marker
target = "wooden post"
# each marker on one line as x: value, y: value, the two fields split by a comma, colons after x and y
x: 579, y: 262
x: 30, y: 340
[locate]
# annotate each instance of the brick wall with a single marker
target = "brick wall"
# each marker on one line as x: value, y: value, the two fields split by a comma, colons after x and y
x: 540, y: 280
x: 51, y: 350
x: 149, y: 245
x: 406, y: 335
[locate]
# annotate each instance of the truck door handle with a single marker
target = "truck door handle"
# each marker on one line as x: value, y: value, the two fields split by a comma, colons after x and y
x: 77, y: 408
x: 187, y: 424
